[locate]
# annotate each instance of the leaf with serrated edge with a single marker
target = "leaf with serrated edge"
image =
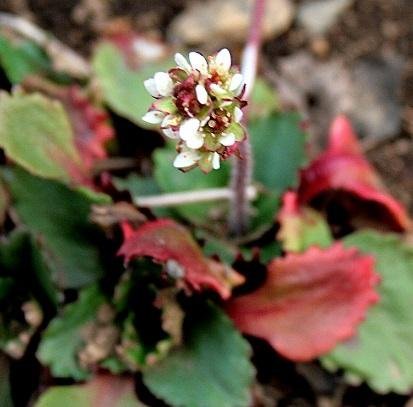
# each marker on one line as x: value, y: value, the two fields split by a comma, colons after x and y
x: 123, y: 87
x: 165, y: 240
x: 58, y: 218
x: 309, y: 302
x: 278, y: 148
x: 211, y: 369
x: 103, y: 390
x: 343, y: 174
x: 62, y: 339
x: 35, y: 132
x: 382, y: 352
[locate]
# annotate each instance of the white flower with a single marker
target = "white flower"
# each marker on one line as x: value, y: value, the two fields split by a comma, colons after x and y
x: 216, y: 161
x: 182, y: 62
x: 189, y: 132
x: 236, y: 83
x: 198, y: 62
x: 227, y: 139
x: 237, y: 114
x: 154, y: 117
x: 186, y: 158
x: 223, y: 61
x: 164, y: 83
x: 201, y: 94
x: 189, y: 128
x: 171, y: 133
x: 204, y: 115
x: 150, y: 86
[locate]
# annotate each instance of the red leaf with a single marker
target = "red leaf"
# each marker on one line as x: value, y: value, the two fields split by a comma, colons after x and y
x: 165, y: 240
x: 90, y: 125
x: 344, y: 168
x: 309, y: 302
x: 110, y: 391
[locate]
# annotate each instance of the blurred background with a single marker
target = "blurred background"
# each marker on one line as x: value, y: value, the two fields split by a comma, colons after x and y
x: 322, y: 57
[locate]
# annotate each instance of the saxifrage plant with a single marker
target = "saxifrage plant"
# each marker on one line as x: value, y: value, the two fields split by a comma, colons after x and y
x: 120, y: 284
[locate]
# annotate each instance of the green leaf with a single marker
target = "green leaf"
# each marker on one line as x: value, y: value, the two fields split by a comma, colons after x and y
x: 19, y: 61
x: 65, y: 396
x: 137, y: 185
x: 212, y: 368
x: 225, y: 250
x: 263, y: 101
x: 122, y: 87
x: 278, y: 149
x: 263, y: 216
x: 170, y: 179
x: 382, y: 352
x: 35, y: 132
x: 58, y: 218
x: 301, y: 228
x: 102, y: 391
x: 62, y: 339
x: 21, y: 260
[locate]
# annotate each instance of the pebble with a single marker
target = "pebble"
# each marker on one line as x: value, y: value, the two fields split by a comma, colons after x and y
x: 217, y: 23
x: 318, y: 16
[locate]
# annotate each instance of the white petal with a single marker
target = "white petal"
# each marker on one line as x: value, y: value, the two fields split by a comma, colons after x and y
x: 215, y: 161
x: 236, y: 82
x: 170, y: 133
x: 198, y: 62
x: 164, y: 83
x: 237, y: 114
x: 182, y: 62
x: 217, y: 90
x: 185, y: 159
x: 196, y: 141
x: 168, y: 120
x: 150, y: 86
x: 201, y: 94
x: 189, y: 128
x: 154, y: 117
x: 223, y: 60
x: 227, y: 139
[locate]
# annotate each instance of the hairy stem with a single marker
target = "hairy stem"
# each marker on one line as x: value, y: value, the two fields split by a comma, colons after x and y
x: 181, y: 198
x: 242, y: 167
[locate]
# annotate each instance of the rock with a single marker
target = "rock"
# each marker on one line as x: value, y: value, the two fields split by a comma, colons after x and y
x: 218, y: 23
x: 367, y: 92
x: 318, y: 16
x: 376, y: 83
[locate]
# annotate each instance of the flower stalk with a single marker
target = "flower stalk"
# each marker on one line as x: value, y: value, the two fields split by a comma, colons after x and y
x: 243, y: 165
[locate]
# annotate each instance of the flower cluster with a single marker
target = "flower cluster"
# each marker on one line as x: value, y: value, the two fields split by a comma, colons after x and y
x: 198, y: 103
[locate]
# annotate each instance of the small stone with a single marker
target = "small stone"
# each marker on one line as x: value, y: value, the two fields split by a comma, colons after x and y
x: 217, y: 23
x: 320, y: 47
x: 318, y: 16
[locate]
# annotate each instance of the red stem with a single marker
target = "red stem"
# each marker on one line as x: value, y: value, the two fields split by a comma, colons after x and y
x: 242, y: 167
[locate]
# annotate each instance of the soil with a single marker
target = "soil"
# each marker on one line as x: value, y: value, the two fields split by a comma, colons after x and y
x: 369, y: 27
